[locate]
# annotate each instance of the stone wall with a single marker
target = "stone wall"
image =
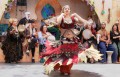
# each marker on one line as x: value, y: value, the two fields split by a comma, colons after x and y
x: 76, y: 6
x: 112, y: 4
x: 2, y: 7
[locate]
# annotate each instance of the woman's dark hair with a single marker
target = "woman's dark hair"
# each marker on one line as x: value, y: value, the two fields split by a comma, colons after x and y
x: 41, y: 28
x: 42, y: 25
x: 113, y: 27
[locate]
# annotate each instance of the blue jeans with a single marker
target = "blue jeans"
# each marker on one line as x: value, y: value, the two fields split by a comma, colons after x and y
x: 103, y: 48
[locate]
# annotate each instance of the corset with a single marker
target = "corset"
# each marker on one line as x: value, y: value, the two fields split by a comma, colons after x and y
x: 67, y: 26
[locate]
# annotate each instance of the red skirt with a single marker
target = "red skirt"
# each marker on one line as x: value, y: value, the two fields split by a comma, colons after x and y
x: 64, y: 48
x: 63, y: 51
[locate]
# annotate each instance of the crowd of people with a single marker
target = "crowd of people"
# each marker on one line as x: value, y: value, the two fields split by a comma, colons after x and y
x: 23, y: 36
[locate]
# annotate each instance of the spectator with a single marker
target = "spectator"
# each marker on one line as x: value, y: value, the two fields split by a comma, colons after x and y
x: 115, y: 36
x: 105, y: 44
x: 12, y: 45
x: 42, y: 37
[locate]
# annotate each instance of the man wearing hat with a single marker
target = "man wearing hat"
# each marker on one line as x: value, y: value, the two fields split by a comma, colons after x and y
x: 29, y: 33
x: 25, y: 20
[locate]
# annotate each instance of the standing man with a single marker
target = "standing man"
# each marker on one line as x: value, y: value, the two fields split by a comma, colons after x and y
x: 26, y: 21
x: 33, y: 40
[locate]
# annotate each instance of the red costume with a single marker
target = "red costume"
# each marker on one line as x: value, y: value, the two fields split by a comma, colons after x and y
x: 65, y: 51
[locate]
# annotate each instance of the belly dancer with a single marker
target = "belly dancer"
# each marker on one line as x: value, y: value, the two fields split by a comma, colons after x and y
x: 69, y: 49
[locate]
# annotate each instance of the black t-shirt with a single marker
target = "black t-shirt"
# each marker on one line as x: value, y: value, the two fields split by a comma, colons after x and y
x: 112, y: 34
x: 24, y: 21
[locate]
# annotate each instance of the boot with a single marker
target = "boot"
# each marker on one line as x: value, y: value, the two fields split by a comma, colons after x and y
x: 33, y: 60
x: 65, y: 69
x: 56, y: 67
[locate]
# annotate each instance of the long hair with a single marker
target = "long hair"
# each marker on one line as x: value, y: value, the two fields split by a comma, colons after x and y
x: 41, y: 28
x: 116, y: 26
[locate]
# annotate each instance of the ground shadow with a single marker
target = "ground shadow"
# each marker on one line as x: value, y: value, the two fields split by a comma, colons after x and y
x: 75, y: 73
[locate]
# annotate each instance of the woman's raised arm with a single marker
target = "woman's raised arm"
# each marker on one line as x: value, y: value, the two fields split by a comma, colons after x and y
x: 80, y: 18
x: 59, y: 18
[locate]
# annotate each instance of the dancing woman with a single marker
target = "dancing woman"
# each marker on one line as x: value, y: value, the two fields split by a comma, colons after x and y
x: 69, y: 50
x: 12, y: 45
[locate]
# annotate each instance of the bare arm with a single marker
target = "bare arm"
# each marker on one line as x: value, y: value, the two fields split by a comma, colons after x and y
x: 101, y: 39
x: 113, y: 36
x: 116, y: 37
x: 108, y: 33
x: 93, y: 36
x: 80, y: 18
x: 59, y: 18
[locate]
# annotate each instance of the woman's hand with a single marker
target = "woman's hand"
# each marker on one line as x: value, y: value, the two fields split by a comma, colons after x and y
x: 13, y: 31
x: 45, y: 36
x: 79, y: 18
x: 93, y: 36
x: 59, y: 18
x: 107, y: 41
x: 62, y: 14
x: 119, y: 37
x: 116, y: 37
x: 74, y: 15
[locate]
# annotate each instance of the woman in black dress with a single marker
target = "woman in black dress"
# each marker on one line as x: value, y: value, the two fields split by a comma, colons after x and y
x: 12, y: 45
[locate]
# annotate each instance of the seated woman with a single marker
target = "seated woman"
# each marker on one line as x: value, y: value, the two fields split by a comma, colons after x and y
x: 115, y: 37
x: 12, y: 45
x: 42, y: 37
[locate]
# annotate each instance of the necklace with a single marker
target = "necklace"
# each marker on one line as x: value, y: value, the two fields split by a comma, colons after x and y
x: 67, y: 20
